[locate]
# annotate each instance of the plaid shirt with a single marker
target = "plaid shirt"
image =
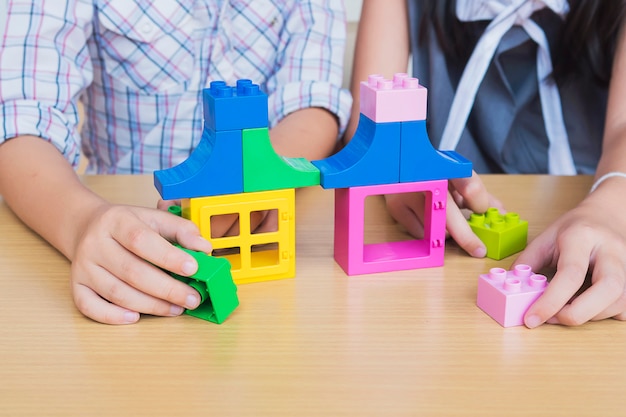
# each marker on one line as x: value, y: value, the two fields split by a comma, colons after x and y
x: 139, y: 68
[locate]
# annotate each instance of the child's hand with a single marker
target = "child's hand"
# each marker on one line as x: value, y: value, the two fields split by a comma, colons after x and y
x: 408, y: 210
x: 115, y: 268
x: 588, y: 239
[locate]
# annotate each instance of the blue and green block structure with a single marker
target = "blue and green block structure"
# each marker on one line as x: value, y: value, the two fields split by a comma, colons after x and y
x: 234, y: 171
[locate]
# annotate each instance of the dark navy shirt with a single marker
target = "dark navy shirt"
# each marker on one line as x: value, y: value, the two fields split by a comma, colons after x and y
x: 505, y: 131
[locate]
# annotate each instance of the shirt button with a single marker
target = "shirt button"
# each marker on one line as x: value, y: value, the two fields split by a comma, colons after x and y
x: 147, y: 28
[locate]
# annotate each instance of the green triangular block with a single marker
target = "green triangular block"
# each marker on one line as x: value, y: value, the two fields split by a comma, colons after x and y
x: 265, y: 170
x: 215, y: 284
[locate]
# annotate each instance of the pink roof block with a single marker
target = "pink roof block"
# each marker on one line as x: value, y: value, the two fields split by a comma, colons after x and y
x: 507, y: 295
x: 402, y: 99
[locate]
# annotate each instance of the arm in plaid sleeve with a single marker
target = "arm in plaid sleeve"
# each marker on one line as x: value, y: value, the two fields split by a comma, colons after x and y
x: 310, y: 62
x: 44, y: 65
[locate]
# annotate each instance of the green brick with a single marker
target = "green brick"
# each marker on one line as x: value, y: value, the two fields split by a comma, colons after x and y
x: 502, y: 234
x: 216, y: 287
x: 265, y: 170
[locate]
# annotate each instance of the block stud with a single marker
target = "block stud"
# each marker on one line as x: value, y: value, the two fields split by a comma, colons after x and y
x: 538, y: 281
x: 513, y: 285
x: 497, y: 274
x: 522, y: 270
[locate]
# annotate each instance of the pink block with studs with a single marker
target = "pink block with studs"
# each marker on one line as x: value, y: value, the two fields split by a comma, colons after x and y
x: 507, y: 295
x: 357, y: 258
x: 402, y: 99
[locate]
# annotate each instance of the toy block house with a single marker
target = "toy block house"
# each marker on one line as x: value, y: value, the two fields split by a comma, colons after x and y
x: 235, y: 173
x: 390, y: 153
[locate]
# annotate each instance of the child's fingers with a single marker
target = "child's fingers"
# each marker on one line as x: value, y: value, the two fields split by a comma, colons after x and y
x: 620, y: 316
x: 265, y: 222
x: 472, y: 193
x: 165, y: 204
x: 461, y: 232
x: 138, y: 236
x: 408, y: 210
x: 174, y: 229
x: 571, y: 270
x: 145, y: 294
x: 148, y: 280
x: 96, y: 308
x: 225, y: 225
x: 609, y: 273
x: 539, y: 253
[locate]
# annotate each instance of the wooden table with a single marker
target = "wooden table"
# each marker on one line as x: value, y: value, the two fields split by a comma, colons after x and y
x: 322, y: 344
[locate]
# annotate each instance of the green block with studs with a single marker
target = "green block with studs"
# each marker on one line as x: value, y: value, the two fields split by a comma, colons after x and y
x: 214, y: 283
x: 502, y: 234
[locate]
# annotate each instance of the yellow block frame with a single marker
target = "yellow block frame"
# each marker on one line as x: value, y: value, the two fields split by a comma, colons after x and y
x: 251, y: 266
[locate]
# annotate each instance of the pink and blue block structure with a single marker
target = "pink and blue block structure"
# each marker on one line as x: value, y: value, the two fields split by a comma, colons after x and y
x: 390, y: 153
x: 506, y: 295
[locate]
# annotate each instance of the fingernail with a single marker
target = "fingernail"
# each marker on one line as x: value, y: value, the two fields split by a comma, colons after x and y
x: 189, y: 268
x: 479, y: 253
x: 131, y: 317
x: 176, y: 310
x: 192, y: 302
x: 532, y: 321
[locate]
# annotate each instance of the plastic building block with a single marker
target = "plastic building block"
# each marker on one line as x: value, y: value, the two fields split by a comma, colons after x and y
x: 175, y: 210
x: 398, y: 100
x: 357, y: 258
x: 264, y: 169
x: 503, y: 235
x: 372, y: 157
x: 507, y: 295
x: 419, y: 161
x: 257, y: 256
x: 215, y: 167
x: 234, y: 108
x: 215, y: 285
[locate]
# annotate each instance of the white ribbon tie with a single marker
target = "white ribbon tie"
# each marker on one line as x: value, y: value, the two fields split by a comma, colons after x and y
x: 504, y: 14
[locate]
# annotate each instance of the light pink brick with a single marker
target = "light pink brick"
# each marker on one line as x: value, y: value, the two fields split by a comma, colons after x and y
x: 507, y: 295
x: 402, y: 99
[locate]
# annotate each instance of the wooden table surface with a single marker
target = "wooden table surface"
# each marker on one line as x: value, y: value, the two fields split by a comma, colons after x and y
x: 322, y: 344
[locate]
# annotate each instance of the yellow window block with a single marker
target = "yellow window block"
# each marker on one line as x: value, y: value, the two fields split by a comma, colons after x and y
x: 254, y: 256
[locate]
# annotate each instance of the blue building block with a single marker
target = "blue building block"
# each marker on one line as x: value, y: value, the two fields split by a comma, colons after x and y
x: 371, y: 158
x: 234, y: 108
x: 420, y: 161
x: 215, y: 167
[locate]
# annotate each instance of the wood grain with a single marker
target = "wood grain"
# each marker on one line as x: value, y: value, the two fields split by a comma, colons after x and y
x: 393, y: 344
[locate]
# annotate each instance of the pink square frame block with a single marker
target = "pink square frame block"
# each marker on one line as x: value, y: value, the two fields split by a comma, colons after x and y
x: 355, y: 257
x: 506, y: 295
